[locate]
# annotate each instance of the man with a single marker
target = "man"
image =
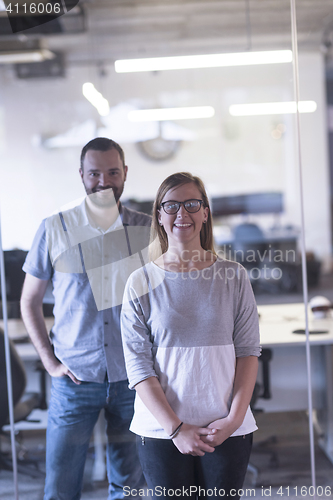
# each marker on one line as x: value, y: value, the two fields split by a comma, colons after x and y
x: 88, y: 252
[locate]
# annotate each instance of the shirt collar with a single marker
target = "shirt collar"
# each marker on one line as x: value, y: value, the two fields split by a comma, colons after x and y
x: 79, y: 216
x: 85, y: 220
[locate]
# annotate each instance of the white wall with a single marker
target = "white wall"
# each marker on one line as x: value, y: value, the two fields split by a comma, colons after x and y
x: 232, y: 155
x: 315, y: 157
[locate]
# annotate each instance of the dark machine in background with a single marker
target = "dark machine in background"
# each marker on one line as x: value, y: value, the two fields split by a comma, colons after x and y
x: 253, y: 203
x: 14, y: 260
x: 271, y: 258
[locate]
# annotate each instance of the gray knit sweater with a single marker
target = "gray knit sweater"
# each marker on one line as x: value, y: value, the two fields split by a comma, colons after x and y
x: 187, y: 329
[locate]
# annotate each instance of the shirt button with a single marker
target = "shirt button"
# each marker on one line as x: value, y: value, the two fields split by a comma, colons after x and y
x: 106, y: 323
x: 105, y: 345
x: 106, y: 277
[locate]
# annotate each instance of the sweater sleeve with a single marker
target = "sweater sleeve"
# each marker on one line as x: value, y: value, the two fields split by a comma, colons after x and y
x: 136, y: 336
x: 246, y: 324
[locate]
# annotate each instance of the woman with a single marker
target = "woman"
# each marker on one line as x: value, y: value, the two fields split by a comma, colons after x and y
x: 191, y: 345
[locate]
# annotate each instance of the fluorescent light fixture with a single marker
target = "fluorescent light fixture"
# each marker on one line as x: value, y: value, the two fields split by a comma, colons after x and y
x: 25, y: 56
x: 272, y: 108
x: 203, y: 61
x: 152, y: 115
x: 96, y: 98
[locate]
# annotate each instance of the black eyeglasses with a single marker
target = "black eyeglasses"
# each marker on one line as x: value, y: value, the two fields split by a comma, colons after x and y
x: 172, y: 207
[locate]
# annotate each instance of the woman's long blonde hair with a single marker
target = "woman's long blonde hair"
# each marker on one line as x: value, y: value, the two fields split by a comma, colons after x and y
x: 158, y: 236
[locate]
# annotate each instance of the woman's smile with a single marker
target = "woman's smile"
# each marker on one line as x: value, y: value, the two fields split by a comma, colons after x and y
x: 182, y: 225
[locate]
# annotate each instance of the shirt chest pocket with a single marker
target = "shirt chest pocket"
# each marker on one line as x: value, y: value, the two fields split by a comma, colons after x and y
x: 73, y: 292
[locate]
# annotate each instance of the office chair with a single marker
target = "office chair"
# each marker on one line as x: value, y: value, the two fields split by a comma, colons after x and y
x: 23, y: 406
x: 249, y: 247
x: 248, y: 232
x: 249, y: 237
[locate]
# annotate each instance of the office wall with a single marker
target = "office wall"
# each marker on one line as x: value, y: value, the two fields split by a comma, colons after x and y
x: 232, y: 155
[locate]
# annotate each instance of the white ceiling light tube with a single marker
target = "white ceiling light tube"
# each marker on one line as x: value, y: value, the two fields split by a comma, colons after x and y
x: 272, y: 108
x: 203, y: 61
x: 96, y: 98
x: 152, y: 115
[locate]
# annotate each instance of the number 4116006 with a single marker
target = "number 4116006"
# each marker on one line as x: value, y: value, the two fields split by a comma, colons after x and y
x: 304, y: 491
x: 34, y: 8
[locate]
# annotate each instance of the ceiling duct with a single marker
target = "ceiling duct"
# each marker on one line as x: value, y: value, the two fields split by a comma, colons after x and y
x: 50, y: 68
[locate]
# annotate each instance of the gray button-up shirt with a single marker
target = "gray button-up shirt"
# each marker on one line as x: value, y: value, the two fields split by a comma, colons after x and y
x: 89, y: 268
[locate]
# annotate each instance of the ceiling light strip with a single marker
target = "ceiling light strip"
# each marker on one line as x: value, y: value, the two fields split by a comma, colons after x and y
x: 203, y: 61
x: 272, y: 108
x: 96, y: 98
x: 163, y: 114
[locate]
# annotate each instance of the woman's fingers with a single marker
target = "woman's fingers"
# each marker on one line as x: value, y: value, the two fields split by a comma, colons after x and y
x: 206, y: 447
x: 189, y: 442
x: 206, y: 431
x: 197, y: 454
x: 200, y: 449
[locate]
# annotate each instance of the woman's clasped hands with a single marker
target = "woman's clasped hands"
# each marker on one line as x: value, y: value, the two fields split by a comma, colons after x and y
x: 224, y: 428
x: 189, y: 440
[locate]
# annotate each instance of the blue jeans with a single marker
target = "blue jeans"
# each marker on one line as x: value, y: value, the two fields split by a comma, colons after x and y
x: 73, y: 412
x: 170, y: 474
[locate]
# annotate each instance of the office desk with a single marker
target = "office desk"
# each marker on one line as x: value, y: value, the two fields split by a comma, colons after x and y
x: 278, y: 321
x: 17, y: 331
x: 288, y: 366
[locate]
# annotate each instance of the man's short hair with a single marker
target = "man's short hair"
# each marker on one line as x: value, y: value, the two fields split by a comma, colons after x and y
x: 102, y: 144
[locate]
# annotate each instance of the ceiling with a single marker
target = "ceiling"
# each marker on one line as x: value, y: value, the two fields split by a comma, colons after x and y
x: 101, y: 31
